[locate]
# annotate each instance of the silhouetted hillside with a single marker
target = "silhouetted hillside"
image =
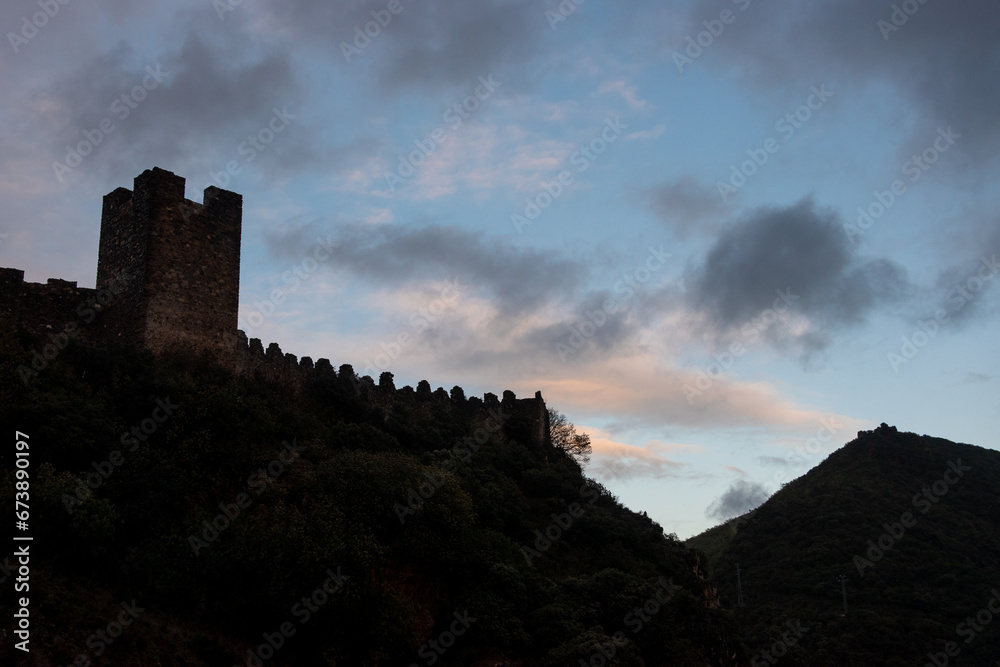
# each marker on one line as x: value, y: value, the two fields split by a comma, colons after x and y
x: 185, y: 516
x: 912, y: 521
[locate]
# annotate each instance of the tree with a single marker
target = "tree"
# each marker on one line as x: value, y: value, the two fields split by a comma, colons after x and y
x: 565, y: 437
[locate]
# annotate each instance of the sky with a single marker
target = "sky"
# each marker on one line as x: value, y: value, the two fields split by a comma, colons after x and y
x: 720, y: 237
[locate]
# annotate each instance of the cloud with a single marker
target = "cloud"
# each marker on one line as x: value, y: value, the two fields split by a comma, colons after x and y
x: 618, y: 460
x: 968, y: 288
x: 480, y: 157
x: 794, y: 261
x: 627, y: 93
x: 166, y: 109
x: 642, y: 390
x: 687, y: 206
x: 454, y: 41
x: 517, y: 280
x: 518, y: 306
x: 773, y: 461
x: 945, y: 58
x: 648, y: 135
x: 428, y: 44
x: 741, y: 497
x: 974, y: 378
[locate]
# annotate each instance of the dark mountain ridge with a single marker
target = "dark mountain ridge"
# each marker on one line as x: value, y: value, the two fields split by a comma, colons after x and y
x: 912, y: 522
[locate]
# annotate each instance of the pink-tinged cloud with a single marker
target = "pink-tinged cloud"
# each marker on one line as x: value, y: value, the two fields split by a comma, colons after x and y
x: 618, y: 460
x: 643, y: 391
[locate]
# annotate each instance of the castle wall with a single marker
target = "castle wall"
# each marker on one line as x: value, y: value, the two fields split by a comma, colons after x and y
x: 54, y: 307
x: 121, y: 263
x: 525, y: 420
x: 168, y: 278
x: 178, y: 262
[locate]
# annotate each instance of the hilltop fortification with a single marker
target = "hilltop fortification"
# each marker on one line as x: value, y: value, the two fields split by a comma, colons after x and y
x: 176, y: 263
x: 168, y: 275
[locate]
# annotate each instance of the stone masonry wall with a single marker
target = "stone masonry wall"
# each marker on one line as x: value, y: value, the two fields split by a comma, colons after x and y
x: 51, y: 308
x: 168, y: 279
x: 178, y: 262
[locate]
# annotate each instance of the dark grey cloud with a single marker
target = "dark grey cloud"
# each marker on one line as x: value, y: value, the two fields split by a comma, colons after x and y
x: 518, y: 280
x: 427, y: 44
x: 945, y: 58
x: 801, y: 252
x: 546, y: 310
x: 966, y: 290
x: 454, y: 41
x: 741, y: 497
x: 687, y: 206
x: 188, y: 110
x: 593, y: 331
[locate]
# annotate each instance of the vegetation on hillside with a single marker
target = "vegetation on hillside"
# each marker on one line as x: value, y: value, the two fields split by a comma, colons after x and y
x: 242, y: 523
x: 912, y: 522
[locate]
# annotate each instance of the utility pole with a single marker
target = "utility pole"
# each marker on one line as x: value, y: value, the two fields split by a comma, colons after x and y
x: 739, y: 587
x: 843, y: 587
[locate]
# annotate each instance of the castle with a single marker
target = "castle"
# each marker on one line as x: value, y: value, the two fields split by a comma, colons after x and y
x: 168, y: 276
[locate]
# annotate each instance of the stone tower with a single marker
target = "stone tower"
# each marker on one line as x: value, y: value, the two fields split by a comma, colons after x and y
x: 173, y: 264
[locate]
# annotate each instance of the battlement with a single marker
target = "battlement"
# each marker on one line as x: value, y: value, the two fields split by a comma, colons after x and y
x: 175, y: 263
x: 168, y: 277
x: 525, y: 420
x: 46, y: 308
